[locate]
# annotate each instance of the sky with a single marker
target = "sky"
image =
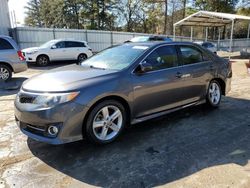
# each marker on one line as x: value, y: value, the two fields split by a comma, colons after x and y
x: 18, y: 7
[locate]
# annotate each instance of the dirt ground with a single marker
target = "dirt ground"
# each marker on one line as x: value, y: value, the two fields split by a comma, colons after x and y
x: 195, y: 147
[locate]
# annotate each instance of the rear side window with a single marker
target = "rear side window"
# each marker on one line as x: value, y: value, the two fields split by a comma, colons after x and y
x: 190, y: 55
x: 72, y: 44
x: 163, y: 57
x: 5, y: 45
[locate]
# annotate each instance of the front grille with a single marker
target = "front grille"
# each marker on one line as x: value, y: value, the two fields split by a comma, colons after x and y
x: 26, y: 99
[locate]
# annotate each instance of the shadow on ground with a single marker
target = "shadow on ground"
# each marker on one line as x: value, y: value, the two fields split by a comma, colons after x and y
x: 52, y: 65
x: 158, y: 151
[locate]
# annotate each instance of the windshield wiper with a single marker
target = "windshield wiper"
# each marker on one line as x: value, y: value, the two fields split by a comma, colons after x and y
x: 93, y: 67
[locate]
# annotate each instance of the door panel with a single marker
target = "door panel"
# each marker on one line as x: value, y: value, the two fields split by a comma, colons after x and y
x: 160, y: 88
x: 156, y: 91
x: 197, y: 72
x: 58, y: 53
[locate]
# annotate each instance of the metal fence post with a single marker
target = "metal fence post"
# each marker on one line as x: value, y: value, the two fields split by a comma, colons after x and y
x: 86, y: 35
x: 112, y: 39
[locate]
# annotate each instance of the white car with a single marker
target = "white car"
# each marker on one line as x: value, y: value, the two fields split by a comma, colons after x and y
x: 58, y: 50
x: 209, y: 45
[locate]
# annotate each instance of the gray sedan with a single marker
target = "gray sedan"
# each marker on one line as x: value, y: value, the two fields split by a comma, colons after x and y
x: 122, y: 85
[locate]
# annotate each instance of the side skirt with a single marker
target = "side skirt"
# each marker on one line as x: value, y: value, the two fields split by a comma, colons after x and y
x: 155, y: 115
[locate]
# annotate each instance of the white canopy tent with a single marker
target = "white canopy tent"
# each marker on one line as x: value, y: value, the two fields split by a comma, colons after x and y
x: 212, y: 19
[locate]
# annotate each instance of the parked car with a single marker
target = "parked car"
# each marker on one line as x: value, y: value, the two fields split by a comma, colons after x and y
x: 150, y: 38
x: 209, y: 45
x: 58, y: 50
x: 245, y: 53
x: 11, y: 58
x: 122, y: 85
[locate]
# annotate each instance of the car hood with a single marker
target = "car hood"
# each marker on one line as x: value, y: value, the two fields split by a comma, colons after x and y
x: 67, y: 78
x: 30, y: 49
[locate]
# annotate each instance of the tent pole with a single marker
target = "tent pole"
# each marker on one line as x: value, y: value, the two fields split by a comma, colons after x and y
x: 206, y: 33
x: 191, y: 37
x: 231, y: 39
x: 248, y: 33
x: 218, y: 42
x: 248, y: 36
x: 174, y: 32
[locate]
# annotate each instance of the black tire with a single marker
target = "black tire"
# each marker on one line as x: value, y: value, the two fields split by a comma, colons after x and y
x: 213, y: 99
x: 42, y: 60
x: 5, y: 73
x: 88, y: 127
x: 81, y: 58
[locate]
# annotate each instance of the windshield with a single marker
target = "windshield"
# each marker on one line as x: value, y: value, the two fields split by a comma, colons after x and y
x: 139, y: 39
x: 116, y: 58
x: 48, y: 44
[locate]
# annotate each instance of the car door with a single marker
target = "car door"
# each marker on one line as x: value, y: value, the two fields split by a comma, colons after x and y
x: 160, y: 88
x: 73, y: 50
x: 57, y: 52
x: 196, y: 72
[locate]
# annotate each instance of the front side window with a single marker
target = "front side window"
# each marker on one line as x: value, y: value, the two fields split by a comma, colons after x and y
x: 60, y: 45
x: 5, y: 45
x: 163, y: 57
x: 190, y: 55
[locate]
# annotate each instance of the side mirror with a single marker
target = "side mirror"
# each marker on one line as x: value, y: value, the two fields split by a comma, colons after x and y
x: 53, y: 47
x: 145, y: 67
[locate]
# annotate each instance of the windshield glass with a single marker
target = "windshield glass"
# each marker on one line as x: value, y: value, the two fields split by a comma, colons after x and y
x: 139, y: 39
x: 116, y: 58
x: 48, y: 44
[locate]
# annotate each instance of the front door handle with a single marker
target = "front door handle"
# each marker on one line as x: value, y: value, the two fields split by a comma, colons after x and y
x: 178, y: 75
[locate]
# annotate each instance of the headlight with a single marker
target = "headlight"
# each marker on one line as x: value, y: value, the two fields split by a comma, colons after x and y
x: 32, y: 52
x: 50, y: 100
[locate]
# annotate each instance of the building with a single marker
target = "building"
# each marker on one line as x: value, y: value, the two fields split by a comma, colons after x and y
x: 4, y: 17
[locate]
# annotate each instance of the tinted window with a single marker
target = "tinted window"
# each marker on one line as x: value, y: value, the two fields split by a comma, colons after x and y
x: 163, y: 57
x: 5, y: 45
x: 60, y: 45
x: 72, y: 44
x: 207, y: 45
x: 190, y: 55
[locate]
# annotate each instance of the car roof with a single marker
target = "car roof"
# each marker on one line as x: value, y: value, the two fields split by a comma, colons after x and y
x: 157, y: 43
x: 68, y: 39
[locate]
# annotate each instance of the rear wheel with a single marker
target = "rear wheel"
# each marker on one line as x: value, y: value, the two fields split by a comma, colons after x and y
x: 81, y: 58
x: 42, y: 60
x: 5, y: 73
x: 214, y: 94
x: 105, y: 122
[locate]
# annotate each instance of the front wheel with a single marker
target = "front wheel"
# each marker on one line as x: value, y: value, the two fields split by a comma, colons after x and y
x: 214, y: 94
x: 42, y: 60
x: 105, y: 122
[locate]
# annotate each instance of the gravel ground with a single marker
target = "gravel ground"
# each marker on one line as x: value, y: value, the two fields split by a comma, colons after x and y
x: 195, y: 147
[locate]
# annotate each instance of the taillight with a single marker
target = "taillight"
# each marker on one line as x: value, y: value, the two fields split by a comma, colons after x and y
x: 20, y: 55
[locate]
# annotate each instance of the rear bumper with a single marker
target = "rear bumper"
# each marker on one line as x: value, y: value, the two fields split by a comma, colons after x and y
x: 19, y: 66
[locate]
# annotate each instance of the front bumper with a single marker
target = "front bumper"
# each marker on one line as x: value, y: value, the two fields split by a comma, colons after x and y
x: 30, y: 57
x: 67, y: 117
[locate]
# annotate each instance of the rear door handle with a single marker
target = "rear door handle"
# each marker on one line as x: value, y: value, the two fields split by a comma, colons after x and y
x: 178, y: 75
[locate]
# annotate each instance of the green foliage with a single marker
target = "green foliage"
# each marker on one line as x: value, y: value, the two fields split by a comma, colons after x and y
x: 125, y: 15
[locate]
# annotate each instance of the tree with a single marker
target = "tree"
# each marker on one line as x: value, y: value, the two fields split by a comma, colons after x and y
x: 33, y: 13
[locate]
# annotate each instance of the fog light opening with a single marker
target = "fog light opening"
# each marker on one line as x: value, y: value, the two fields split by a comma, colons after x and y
x: 53, y: 130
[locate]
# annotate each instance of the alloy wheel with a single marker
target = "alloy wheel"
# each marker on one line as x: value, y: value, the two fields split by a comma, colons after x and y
x: 4, y: 73
x: 107, y: 123
x: 214, y: 93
